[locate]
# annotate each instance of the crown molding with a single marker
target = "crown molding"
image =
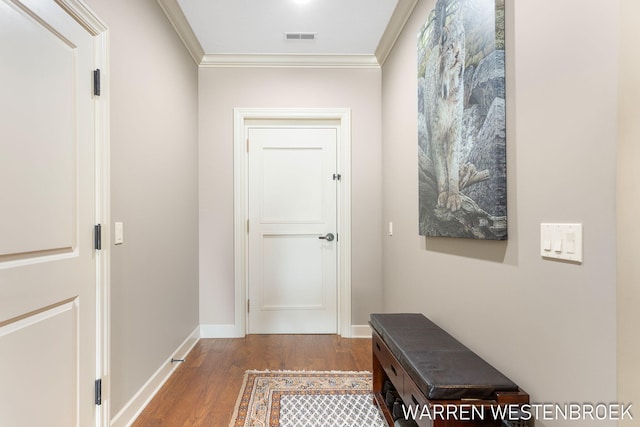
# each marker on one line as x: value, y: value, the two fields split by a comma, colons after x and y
x: 176, y: 17
x: 398, y: 20
x: 289, y: 61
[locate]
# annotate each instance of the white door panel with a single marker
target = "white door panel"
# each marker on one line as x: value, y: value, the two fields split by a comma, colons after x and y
x: 280, y: 282
x: 51, y: 336
x: 47, y: 212
x: 39, y: 168
x: 292, y: 202
x: 291, y: 194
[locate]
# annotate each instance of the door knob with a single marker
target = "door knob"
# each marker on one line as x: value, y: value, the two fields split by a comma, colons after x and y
x: 329, y: 237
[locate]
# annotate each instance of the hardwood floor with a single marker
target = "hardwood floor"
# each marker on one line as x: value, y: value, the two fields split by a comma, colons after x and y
x: 204, y: 389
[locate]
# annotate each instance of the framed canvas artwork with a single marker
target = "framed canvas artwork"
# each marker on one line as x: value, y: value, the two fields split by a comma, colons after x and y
x: 461, y: 121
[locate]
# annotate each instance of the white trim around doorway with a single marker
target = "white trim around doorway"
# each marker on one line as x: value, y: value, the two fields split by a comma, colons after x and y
x: 240, y: 184
x: 92, y: 23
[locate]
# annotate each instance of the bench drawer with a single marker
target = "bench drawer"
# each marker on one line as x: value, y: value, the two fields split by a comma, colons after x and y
x: 388, y: 362
x: 412, y: 396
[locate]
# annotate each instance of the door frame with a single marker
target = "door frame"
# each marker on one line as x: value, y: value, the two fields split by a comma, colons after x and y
x: 241, y: 117
x: 100, y: 32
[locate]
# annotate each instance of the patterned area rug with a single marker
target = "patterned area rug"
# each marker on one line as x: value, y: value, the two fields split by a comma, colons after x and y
x: 306, y: 398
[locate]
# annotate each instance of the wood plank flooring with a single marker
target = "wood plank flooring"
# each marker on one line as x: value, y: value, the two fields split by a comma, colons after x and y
x: 203, y: 390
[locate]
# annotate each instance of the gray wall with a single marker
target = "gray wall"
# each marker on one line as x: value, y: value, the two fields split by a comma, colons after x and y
x: 550, y: 326
x: 628, y: 208
x: 222, y: 89
x: 154, y: 191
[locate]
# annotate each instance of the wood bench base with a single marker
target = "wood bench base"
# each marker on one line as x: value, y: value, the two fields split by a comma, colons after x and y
x: 434, y: 413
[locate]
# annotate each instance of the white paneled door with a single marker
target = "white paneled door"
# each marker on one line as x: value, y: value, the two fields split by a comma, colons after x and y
x: 47, y: 214
x: 292, y: 230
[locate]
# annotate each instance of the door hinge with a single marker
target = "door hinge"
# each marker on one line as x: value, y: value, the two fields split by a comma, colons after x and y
x: 98, y: 388
x: 337, y: 177
x: 96, y: 82
x: 247, y: 226
x: 247, y: 145
x: 248, y: 306
x: 97, y: 237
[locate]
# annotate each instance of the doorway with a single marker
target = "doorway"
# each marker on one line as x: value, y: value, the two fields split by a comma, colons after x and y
x: 286, y: 302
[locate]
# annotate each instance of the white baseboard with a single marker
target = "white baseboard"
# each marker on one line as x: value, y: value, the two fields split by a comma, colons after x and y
x: 360, y: 331
x: 231, y: 331
x: 141, y: 399
x: 220, y: 331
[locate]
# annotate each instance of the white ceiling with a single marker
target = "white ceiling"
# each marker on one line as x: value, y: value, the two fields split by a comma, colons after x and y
x: 350, y: 33
x: 245, y: 27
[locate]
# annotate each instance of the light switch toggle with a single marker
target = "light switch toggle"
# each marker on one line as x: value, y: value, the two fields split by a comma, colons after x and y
x: 561, y: 241
x: 557, y: 246
x: 118, y: 231
x: 570, y: 242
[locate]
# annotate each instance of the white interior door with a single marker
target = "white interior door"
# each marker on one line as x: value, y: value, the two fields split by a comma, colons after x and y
x: 292, y: 216
x: 47, y: 212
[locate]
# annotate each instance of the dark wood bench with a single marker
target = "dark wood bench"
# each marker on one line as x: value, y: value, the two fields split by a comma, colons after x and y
x: 444, y: 382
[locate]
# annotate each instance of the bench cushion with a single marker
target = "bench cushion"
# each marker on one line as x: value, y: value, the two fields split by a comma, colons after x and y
x: 440, y: 366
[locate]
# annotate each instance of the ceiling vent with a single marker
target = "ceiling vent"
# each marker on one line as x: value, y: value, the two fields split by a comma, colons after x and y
x: 300, y: 36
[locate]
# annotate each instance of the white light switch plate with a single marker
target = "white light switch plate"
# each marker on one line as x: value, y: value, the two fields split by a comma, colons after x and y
x: 118, y: 231
x: 561, y: 241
